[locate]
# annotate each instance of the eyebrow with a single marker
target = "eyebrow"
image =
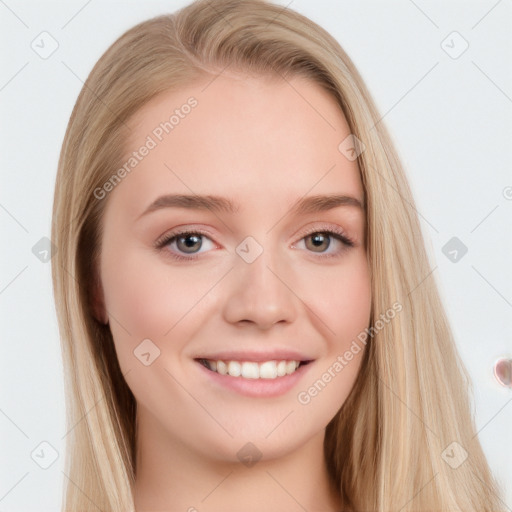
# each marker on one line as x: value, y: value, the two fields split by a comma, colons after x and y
x: 305, y: 205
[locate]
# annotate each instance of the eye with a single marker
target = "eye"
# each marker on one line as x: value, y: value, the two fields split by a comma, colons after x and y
x: 186, y: 245
x: 319, y: 241
x: 184, y: 242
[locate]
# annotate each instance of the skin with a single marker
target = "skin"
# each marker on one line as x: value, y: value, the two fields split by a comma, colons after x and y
x: 264, y: 143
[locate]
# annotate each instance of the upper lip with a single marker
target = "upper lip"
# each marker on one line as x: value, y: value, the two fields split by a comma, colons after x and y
x: 256, y: 356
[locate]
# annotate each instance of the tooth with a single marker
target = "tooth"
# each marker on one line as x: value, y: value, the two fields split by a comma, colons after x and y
x: 234, y: 368
x: 281, y: 368
x: 291, y: 366
x: 222, y: 368
x: 250, y: 370
x: 268, y: 370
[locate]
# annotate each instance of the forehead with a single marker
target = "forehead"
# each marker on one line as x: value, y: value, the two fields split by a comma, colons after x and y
x: 256, y: 139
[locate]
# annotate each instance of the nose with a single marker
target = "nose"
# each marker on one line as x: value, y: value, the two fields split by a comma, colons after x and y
x: 260, y: 294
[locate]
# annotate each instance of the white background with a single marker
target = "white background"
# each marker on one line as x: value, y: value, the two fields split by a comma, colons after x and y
x: 450, y: 119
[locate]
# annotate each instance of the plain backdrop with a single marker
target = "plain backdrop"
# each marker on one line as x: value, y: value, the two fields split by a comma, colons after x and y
x: 440, y: 74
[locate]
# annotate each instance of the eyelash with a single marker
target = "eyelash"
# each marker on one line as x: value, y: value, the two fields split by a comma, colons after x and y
x: 334, y: 232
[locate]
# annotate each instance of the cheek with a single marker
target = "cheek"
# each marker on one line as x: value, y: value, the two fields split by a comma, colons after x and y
x: 145, y: 297
x: 345, y: 308
x: 341, y: 297
x: 350, y: 304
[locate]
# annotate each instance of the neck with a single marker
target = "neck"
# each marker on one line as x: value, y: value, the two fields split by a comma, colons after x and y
x: 171, y: 476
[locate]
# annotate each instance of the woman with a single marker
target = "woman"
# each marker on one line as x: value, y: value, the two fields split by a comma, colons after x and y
x: 245, y: 301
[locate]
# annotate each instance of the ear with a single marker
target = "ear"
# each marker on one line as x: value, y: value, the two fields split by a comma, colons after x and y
x: 98, y: 301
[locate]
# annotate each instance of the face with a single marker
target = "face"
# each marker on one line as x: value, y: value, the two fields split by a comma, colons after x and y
x: 247, y: 274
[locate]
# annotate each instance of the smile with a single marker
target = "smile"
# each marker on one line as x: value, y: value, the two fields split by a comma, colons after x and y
x: 253, y: 370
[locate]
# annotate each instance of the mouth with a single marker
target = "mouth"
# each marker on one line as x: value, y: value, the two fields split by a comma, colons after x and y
x: 254, y: 370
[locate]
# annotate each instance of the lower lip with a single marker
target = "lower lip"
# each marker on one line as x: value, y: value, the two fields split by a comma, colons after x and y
x: 257, y: 387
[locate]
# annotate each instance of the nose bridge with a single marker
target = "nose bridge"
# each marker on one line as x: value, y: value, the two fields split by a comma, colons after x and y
x: 258, y: 292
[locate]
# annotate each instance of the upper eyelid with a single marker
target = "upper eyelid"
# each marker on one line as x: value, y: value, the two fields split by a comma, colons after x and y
x: 179, y: 232
x: 172, y: 234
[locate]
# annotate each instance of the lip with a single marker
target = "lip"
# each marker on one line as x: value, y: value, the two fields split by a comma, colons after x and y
x: 256, y: 356
x: 255, y: 387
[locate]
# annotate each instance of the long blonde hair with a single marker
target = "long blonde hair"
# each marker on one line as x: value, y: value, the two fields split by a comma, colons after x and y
x: 386, y: 447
